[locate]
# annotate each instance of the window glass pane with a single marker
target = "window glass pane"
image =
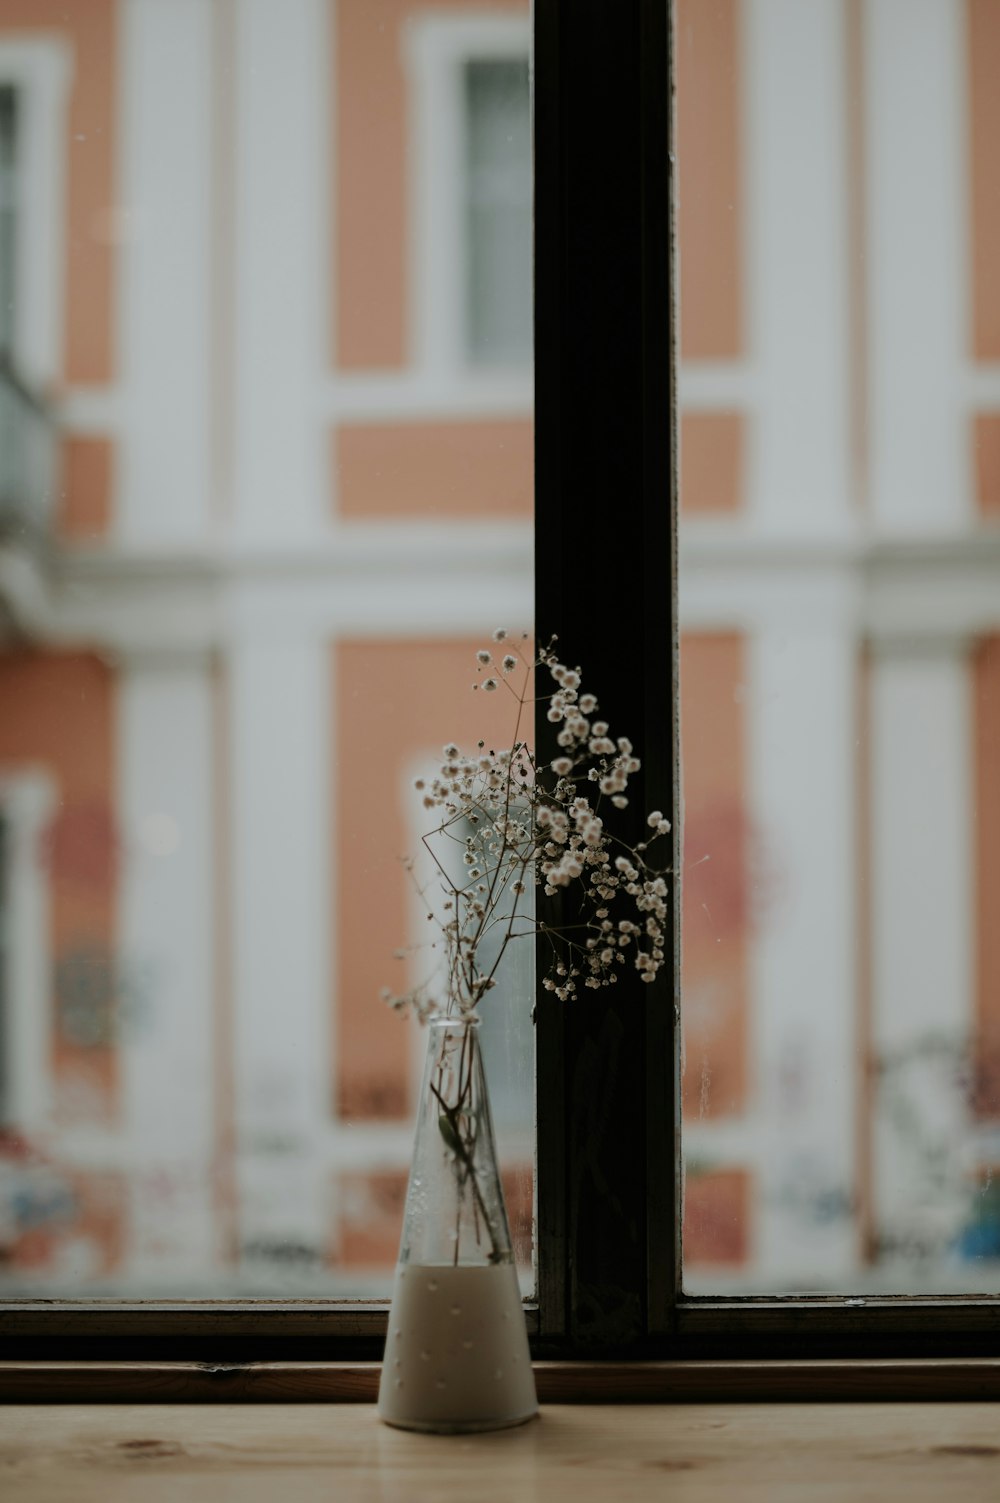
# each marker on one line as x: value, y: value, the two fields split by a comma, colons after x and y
x: 498, y: 213
x: 840, y: 655
x: 286, y: 502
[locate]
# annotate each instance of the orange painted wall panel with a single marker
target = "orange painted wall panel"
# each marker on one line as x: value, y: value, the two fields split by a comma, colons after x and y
x: 371, y: 213
x: 983, y: 32
x: 395, y: 701
x: 716, y: 886
x: 710, y: 218
x: 91, y: 29
x: 712, y: 450
x: 986, y: 447
x: 433, y: 469
x: 717, y: 1218
x: 57, y: 713
x: 85, y: 494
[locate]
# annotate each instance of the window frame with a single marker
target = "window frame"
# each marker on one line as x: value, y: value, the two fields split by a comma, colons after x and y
x: 609, y: 1169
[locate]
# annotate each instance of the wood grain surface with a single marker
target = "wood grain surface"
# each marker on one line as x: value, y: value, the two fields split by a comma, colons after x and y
x: 587, y: 1453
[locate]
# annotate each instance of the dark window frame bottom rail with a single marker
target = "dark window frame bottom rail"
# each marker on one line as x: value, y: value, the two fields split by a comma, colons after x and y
x: 692, y: 1382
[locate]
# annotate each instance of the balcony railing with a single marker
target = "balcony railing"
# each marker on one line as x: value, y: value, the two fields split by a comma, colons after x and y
x: 27, y: 461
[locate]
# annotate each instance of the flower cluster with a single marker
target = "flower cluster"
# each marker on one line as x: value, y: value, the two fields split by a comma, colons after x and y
x: 505, y: 825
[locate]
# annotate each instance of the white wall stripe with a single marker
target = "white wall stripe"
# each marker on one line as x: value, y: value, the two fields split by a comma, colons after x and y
x: 167, y: 928
x: 796, y: 196
x: 166, y: 48
x: 917, y: 213
x: 280, y: 688
x: 802, y: 968
x: 922, y: 932
x: 282, y: 268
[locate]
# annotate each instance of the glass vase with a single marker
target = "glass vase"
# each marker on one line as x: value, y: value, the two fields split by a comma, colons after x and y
x: 456, y: 1355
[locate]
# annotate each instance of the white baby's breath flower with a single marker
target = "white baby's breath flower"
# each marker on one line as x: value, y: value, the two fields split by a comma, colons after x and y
x: 532, y: 833
x: 500, y: 635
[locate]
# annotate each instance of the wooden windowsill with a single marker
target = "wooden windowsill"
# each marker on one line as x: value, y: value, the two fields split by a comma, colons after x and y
x: 838, y: 1380
x: 587, y: 1453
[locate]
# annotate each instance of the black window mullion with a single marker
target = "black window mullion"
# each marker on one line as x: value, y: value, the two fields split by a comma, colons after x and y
x: 604, y: 585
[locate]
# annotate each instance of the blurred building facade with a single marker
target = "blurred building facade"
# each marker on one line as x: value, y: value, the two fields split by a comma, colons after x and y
x: 265, y: 457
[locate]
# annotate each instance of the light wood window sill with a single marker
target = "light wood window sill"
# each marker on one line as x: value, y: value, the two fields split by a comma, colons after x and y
x: 587, y: 1453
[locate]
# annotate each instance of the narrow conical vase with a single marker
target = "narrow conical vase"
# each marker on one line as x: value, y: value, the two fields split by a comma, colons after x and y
x: 456, y: 1354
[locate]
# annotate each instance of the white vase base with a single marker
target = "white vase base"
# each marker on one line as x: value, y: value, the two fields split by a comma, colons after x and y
x: 456, y: 1357
x: 459, y: 1427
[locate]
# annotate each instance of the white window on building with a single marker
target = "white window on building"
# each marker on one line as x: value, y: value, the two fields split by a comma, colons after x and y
x: 497, y: 186
x: 10, y: 416
x: 34, y: 79
x: 470, y: 197
x: 8, y: 215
